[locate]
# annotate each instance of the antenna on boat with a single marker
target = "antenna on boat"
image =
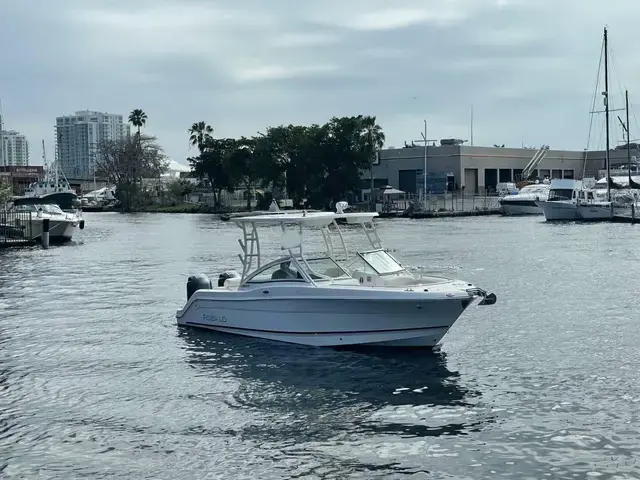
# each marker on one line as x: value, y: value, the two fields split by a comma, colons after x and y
x: 44, y: 158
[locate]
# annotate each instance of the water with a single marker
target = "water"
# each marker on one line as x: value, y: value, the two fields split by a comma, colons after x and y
x: 97, y: 381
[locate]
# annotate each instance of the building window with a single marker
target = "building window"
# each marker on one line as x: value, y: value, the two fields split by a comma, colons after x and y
x: 556, y: 173
x: 568, y: 174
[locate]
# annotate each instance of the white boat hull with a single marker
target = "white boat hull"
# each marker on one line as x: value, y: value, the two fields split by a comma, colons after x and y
x: 595, y: 212
x: 322, y: 319
x: 554, y: 211
x: 59, y: 230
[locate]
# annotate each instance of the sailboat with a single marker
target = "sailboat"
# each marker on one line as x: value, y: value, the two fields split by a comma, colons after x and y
x: 52, y: 188
x: 602, y: 210
x: 566, y: 195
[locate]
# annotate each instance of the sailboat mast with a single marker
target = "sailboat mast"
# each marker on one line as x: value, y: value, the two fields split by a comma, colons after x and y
x: 626, y: 101
x: 44, y: 160
x: 606, y: 109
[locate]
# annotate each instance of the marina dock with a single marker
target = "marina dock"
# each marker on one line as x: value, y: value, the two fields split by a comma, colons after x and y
x: 627, y: 217
x: 16, y: 242
x: 442, y: 214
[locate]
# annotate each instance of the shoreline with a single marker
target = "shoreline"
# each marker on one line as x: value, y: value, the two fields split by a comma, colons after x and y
x: 191, y: 208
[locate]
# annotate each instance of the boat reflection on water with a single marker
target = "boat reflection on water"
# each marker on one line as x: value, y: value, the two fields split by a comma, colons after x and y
x: 303, y: 390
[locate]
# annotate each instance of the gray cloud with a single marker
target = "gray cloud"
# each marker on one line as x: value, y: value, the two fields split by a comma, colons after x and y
x: 528, y: 66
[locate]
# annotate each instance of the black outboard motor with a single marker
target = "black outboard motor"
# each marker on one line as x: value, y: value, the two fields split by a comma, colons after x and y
x: 489, y: 299
x: 197, y: 282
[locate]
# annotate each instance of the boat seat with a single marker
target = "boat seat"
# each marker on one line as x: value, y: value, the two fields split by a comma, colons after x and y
x: 284, y: 275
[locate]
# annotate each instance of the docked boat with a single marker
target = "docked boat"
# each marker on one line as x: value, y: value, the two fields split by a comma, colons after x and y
x: 605, y: 203
x: 625, y: 193
x: 524, y: 201
x: 562, y: 202
x: 273, y: 209
x: 99, y: 200
x: 53, y: 188
x: 337, y: 298
x: 62, y: 225
x: 621, y: 193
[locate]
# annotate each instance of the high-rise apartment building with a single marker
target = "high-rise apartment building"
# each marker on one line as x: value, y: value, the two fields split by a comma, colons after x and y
x: 14, y: 148
x: 78, y: 136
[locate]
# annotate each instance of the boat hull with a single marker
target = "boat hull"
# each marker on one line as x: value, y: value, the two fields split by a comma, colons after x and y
x: 59, y: 230
x: 520, y: 207
x: 327, y: 321
x: 595, y: 212
x: 559, y: 211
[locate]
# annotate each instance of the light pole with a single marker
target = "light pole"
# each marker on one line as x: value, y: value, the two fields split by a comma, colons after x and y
x: 426, y: 141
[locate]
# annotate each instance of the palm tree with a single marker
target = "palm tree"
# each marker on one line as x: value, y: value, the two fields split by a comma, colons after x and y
x: 138, y: 119
x: 372, y: 138
x: 199, y: 134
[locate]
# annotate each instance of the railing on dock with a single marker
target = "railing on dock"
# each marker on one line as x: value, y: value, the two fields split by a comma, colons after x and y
x: 15, y: 228
x: 449, y: 202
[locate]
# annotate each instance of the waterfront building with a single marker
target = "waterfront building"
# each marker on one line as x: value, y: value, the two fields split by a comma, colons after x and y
x: 14, y: 147
x: 452, y: 166
x: 78, y: 136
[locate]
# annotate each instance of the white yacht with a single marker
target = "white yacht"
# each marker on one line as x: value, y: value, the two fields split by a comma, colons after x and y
x: 62, y: 225
x: 524, y: 201
x: 362, y: 298
x: 561, y: 204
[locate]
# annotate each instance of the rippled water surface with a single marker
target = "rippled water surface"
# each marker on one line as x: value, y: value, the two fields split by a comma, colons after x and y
x: 96, y: 380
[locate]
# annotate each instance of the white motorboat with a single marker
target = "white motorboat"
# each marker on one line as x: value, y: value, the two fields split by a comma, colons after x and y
x: 62, y: 225
x: 362, y: 298
x: 562, y: 201
x: 524, y: 201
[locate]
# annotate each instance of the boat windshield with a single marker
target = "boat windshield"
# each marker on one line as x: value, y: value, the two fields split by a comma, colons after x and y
x: 381, y: 262
x: 532, y: 189
x: 559, y: 194
x: 321, y: 268
x: 285, y: 269
x: 26, y: 208
x: 34, y: 207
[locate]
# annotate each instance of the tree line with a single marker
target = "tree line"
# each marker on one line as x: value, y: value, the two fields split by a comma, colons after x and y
x: 316, y: 164
x: 126, y: 161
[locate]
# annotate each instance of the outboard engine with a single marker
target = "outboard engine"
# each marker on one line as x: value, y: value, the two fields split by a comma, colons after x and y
x: 197, y: 282
x: 341, y: 207
x: 224, y: 276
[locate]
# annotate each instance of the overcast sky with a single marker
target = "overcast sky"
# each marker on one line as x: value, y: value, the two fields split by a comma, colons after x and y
x: 529, y: 67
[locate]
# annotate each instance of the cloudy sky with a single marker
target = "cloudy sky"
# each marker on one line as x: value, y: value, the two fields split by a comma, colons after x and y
x: 529, y: 67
